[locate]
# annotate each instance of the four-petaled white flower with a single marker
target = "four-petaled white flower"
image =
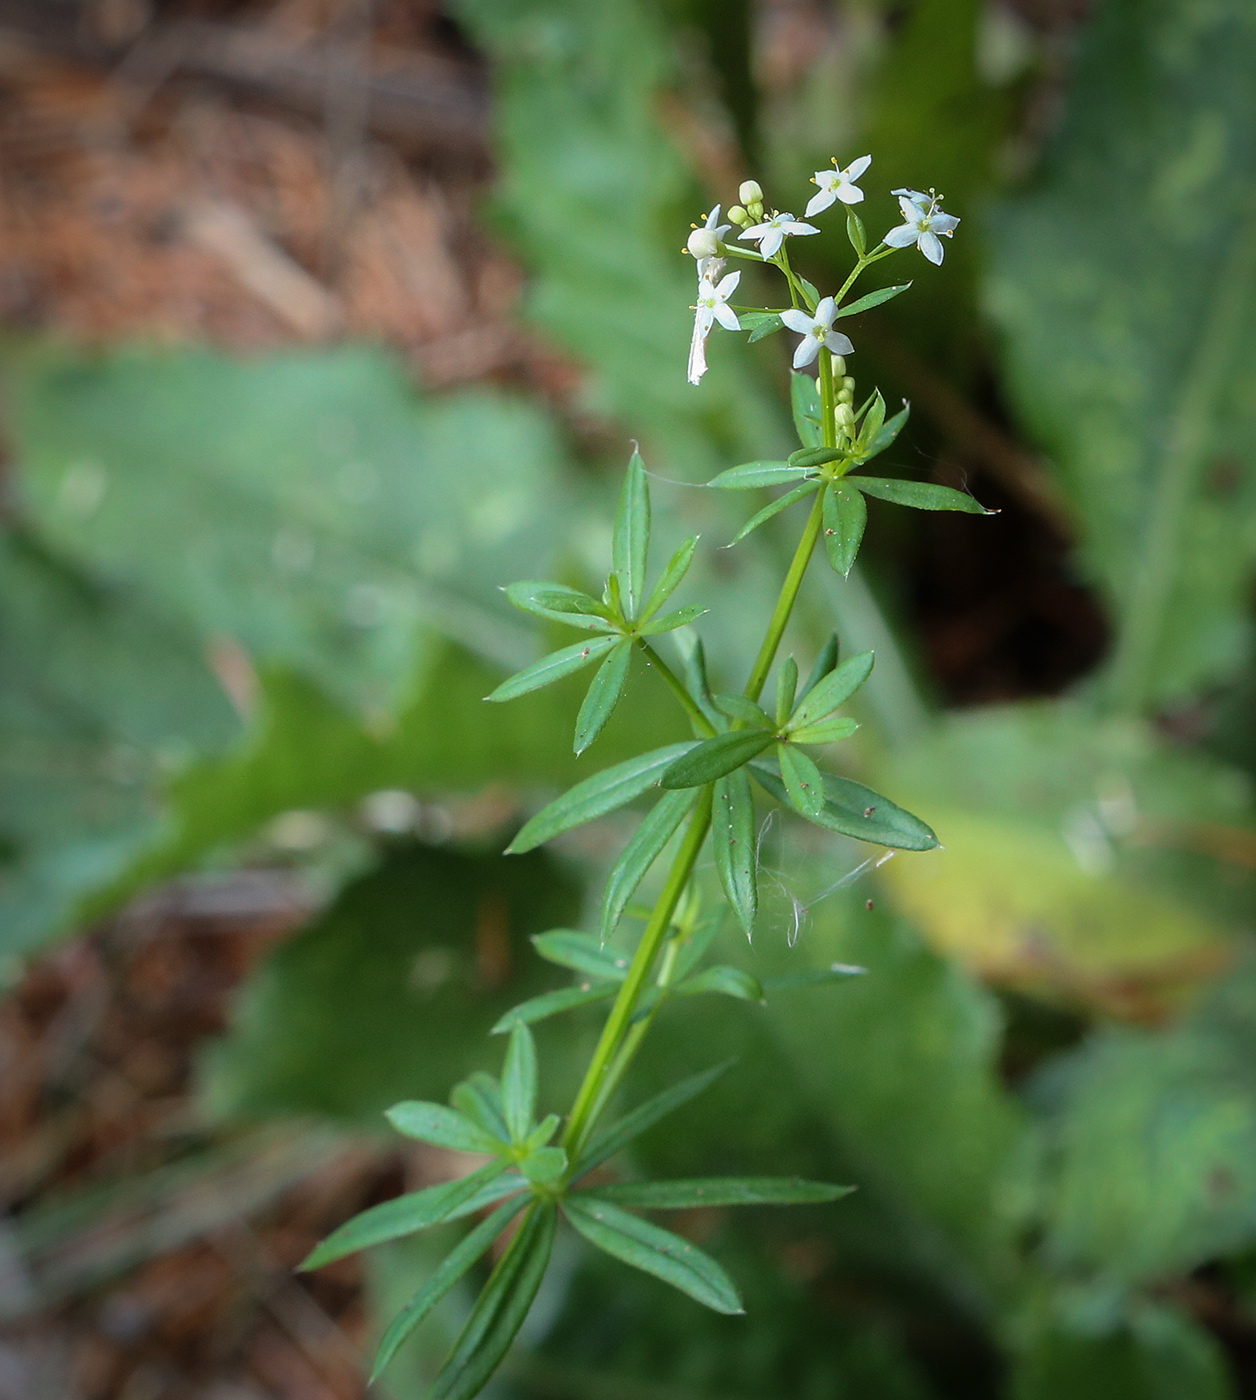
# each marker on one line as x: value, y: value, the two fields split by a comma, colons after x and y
x: 838, y: 184
x: 923, y: 222
x: 712, y: 306
x: 704, y: 242
x: 816, y: 331
x: 772, y: 232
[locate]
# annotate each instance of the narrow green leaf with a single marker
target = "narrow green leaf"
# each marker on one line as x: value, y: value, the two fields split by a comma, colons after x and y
x: 871, y: 299
x: 712, y: 758
x: 733, y: 844
x: 804, y: 398
x: 551, y: 1004
x: 669, y: 622
x: 557, y: 603
x: 581, y: 953
x: 406, y: 1214
x: 451, y: 1269
x: 615, y: 1138
x: 595, y: 796
x: 655, y: 1251
x: 752, y: 475
x: 804, y: 785
x: 825, y: 662
x: 856, y: 232
x: 500, y: 1311
x: 553, y: 668
x: 446, y: 1127
x: 886, y: 436
x: 669, y: 582
x: 786, y: 687
x: 834, y: 690
x: 813, y: 976
x: 648, y: 841
x: 480, y: 1098
x: 545, y: 1165
x: 816, y: 456
x: 855, y: 810
x: 519, y: 1082
x: 845, y: 516
x: 542, y: 1133
x: 828, y: 731
x: 799, y: 493
x: 874, y: 421
x: 738, y: 707
x: 769, y: 325
x: 603, y: 695
x: 631, y: 540
x: 694, y: 672
x: 809, y: 290
x: 753, y: 320
x: 723, y: 981
x: 920, y: 495
x: 718, y: 1191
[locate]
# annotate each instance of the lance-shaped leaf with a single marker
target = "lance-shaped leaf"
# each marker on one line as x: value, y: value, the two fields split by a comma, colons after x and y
x: 648, y: 841
x: 603, y: 695
x: 721, y: 981
x: 500, y: 1309
x: 740, y: 708
x: 669, y: 622
x: 677, y: 568
x: 804, y: 784
x: 552, y: 1004
x: 873, y: 420
x: 615, y: 1138
x: 760, y: 323
x: 855, y: 810
x: 885, y: 437
x: 834, y: 690
x: 594, y: 797
x: 825, y: 662
x: 553, y: 668
x: 450, y: 1270
x: 733, y: 844
x: 871, y: 299
x: 856, y: 233
x: 446, y: 1127
x: 418, y: 1210
x: 719, y: 1191
x: 694, y: 671
x: 845, y: 516
x: 631, y: 541
x: 920, y: 495
x: 480, y: 1098
x: 581, y: 953
x: 713, y: 758
x: 786, y: 687
x: 799, y: 493
x: 816, y: 456
x: 751, y: 476
x: 556, y: 602
x: 828, y: 731
x: 804, y: 398
x: 519, y: 1082
x: 655, y: 1251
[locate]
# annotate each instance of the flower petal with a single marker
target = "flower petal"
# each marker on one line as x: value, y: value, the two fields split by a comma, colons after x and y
x: 902, y: 237
x: 697, y: 355
x: 713, y: 217
x: 794, y: 227
x: 808, y: 349
x: 728, y: 285
x: 911, y: 210
x: 758, y: 231
x: 771, y: 244
x: 826, y: 312
x: 931, y: 247
x: 850, y: 194
x: 838, y: 343
x: 943, y: 223
x: 819, y: 202
x: 797, y: 320
x: 914, y: 195
x: 857, y: 167
x: 727, y: 317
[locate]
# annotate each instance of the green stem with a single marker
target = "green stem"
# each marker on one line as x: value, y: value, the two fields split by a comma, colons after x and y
x: 785, y: 603
x: 678, y: 688
x: 617, y: 1023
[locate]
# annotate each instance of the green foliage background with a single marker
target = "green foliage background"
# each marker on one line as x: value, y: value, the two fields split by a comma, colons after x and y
x: 1018, y: 1235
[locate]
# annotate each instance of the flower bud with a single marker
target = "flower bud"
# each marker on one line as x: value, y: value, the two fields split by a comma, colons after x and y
x: 755, y: 210
x: 737, y: 215
x: 839, y: 366
x: 848, y: 383
x: 845, y: 416
x: 749, y: 192
x: 703, y: 243
x: 846, y: 396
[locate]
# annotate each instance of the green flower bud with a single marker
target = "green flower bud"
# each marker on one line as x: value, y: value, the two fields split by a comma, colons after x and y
x: 703, y: 243
x: 737, y: 215
x: 755, y: 210
x: 848, y: 383
x: 839, y: 367
x: 750, y: 193
x: 845, y: 416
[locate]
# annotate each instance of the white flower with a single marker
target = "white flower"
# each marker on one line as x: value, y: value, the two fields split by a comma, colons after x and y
x: 704, y: 242
x: 816, y: 331
x: 772, y: 232
x: 712, y: 306
x: 923, y: 222
x: 838, y: 184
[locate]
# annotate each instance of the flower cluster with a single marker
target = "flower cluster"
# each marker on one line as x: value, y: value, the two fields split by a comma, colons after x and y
x: 925, y: 224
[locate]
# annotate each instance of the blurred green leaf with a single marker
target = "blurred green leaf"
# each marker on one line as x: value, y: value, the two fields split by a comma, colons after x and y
x: 1126, y: 341
x: 761, y: 517
x: 552, y: 1004
x: 433, y: 1122
x: 519, y: 1082
x: 581, y: 953
x: 631, y: 540
x: 723, y: 981
x: 750, y: 476
x: 615, y: 1138
x: 553, y: 668
x: 719, y: 1191
x: 919, y: 495
x: 733, y: 839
